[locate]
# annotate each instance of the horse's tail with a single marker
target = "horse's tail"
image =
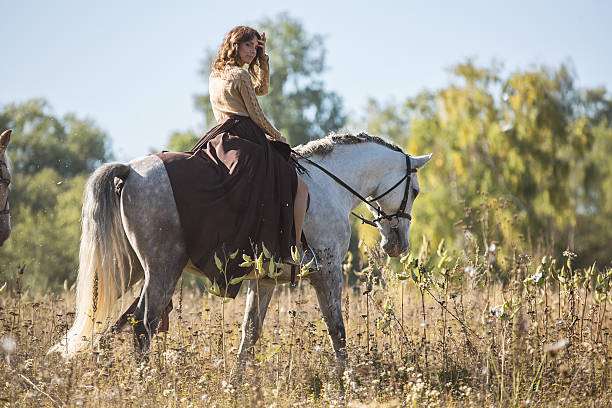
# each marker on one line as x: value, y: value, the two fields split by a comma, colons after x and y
x: 104, y: 261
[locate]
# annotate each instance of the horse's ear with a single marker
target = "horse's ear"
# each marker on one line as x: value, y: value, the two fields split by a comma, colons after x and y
x: 5, y: 138
x: 420, y: 161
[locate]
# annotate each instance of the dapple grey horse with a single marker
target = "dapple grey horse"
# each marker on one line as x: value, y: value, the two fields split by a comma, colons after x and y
x: 137, y: 234
x: 5, y: 180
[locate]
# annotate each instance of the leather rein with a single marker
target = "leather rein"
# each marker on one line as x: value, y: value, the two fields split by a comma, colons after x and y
x: 401, y: 211
x: 7, y: 181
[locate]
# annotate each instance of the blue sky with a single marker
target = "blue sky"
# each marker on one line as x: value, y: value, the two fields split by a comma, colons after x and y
x: 132, y: 66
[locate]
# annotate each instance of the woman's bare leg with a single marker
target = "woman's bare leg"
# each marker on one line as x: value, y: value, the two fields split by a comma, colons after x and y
x: 299, y: 210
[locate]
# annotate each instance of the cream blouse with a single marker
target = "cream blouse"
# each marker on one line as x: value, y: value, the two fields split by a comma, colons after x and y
x: 232, y: 93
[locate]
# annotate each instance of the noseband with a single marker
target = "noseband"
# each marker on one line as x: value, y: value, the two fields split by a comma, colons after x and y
x: 401, y: 211
x: 6, y: 181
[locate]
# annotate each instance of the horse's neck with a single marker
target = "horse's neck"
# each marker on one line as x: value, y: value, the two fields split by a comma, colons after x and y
x: 361, y: 166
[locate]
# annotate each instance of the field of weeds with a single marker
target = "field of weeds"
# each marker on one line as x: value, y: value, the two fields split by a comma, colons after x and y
x: 432, y: 330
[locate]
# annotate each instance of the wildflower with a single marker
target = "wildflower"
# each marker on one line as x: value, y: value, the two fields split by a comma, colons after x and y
x: 553, y: 349
x: 470, y: 270
x: 57, y: 380
x: 465, y: 390
x: 497, y: 311
x: 569, y: 254
x: 228, y: 388
x: 492, y: 248
x: 8, y: 345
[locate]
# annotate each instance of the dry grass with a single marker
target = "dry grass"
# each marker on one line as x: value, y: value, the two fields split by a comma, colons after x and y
x: 431, y: 340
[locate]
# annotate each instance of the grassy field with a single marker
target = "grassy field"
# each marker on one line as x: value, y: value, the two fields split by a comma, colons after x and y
x: 430, y: 331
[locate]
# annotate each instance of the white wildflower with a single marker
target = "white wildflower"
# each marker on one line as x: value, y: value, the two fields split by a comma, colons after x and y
x: 8, y: 346
x: 470, y: 270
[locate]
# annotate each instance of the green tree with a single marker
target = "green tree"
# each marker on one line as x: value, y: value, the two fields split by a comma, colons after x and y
x: 50, y: 160
x: 517, y: 159
x: 298, y: 103
x: 182, y: 141
x: 593, y: 232
x: 68, y: 145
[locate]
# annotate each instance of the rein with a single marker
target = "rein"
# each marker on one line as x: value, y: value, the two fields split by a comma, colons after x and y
x: 401, y: 211
x: 4, y: 180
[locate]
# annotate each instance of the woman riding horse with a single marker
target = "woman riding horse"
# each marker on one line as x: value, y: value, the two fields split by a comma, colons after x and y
x: 246, y: 190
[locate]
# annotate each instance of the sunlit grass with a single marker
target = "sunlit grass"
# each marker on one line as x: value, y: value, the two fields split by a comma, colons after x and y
x: 435, y: 330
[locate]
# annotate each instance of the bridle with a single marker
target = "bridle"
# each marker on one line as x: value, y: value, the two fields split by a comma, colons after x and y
x: 7, y: 181
x: 401, y: 211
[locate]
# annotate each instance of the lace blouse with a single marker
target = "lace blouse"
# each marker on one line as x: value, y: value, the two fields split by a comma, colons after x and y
x: 232, y: 93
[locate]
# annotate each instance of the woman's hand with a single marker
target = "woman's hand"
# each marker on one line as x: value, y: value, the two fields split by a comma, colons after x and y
x: 262, y: 43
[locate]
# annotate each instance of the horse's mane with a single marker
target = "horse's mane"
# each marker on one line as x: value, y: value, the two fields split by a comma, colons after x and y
x: 325, y: 145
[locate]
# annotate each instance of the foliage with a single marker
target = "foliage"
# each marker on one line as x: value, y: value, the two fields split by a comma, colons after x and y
x: 528, y: 148
x: 298, y: 103
x: 69, y: 145
x: 182, y: 141
x: 50, y: 160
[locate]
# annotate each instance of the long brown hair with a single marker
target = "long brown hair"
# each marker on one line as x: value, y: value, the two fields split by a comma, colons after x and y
x: 228, y: 52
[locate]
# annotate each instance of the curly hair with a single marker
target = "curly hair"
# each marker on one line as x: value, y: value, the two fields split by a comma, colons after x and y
x: 228, y: 52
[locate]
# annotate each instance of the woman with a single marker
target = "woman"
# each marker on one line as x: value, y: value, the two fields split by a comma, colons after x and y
x: 232, y: 94
x: 236, y: 189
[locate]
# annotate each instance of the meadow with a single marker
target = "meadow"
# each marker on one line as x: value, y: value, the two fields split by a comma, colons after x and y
x: 498, y: 316
x: 434, y: 329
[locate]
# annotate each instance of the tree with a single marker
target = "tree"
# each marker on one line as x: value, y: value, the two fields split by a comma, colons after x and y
x: 182, y: 141
x: 298, y: 103
x: 50, y: 160
x: 516, y: 160
x: 68, y: 145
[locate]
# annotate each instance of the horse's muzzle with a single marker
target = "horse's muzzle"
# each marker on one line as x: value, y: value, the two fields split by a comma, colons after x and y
x: 394, y: 249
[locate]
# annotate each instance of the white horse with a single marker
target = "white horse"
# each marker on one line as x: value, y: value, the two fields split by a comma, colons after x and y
x: 137, y: 234
x: 5, y: 180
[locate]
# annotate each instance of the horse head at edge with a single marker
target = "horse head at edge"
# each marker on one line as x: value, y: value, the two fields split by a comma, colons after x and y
x: 5, y: 179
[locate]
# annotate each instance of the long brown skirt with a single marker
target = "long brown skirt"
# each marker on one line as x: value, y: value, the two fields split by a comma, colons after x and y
x: 233, y: 191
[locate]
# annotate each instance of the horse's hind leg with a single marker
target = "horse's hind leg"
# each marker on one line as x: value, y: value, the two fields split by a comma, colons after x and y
x: 125, y: 317
x: 156, y: 296
x: 163, y: 262
x: 153, y: 227
x: 258, y: 299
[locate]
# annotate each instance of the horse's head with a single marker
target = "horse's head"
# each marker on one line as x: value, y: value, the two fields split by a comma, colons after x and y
x: 396, y: 203
x: 5, y: 180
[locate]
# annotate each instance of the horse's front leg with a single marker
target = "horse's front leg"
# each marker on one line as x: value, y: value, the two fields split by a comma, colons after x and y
x: 258, y: 299
x: 328, y: 286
